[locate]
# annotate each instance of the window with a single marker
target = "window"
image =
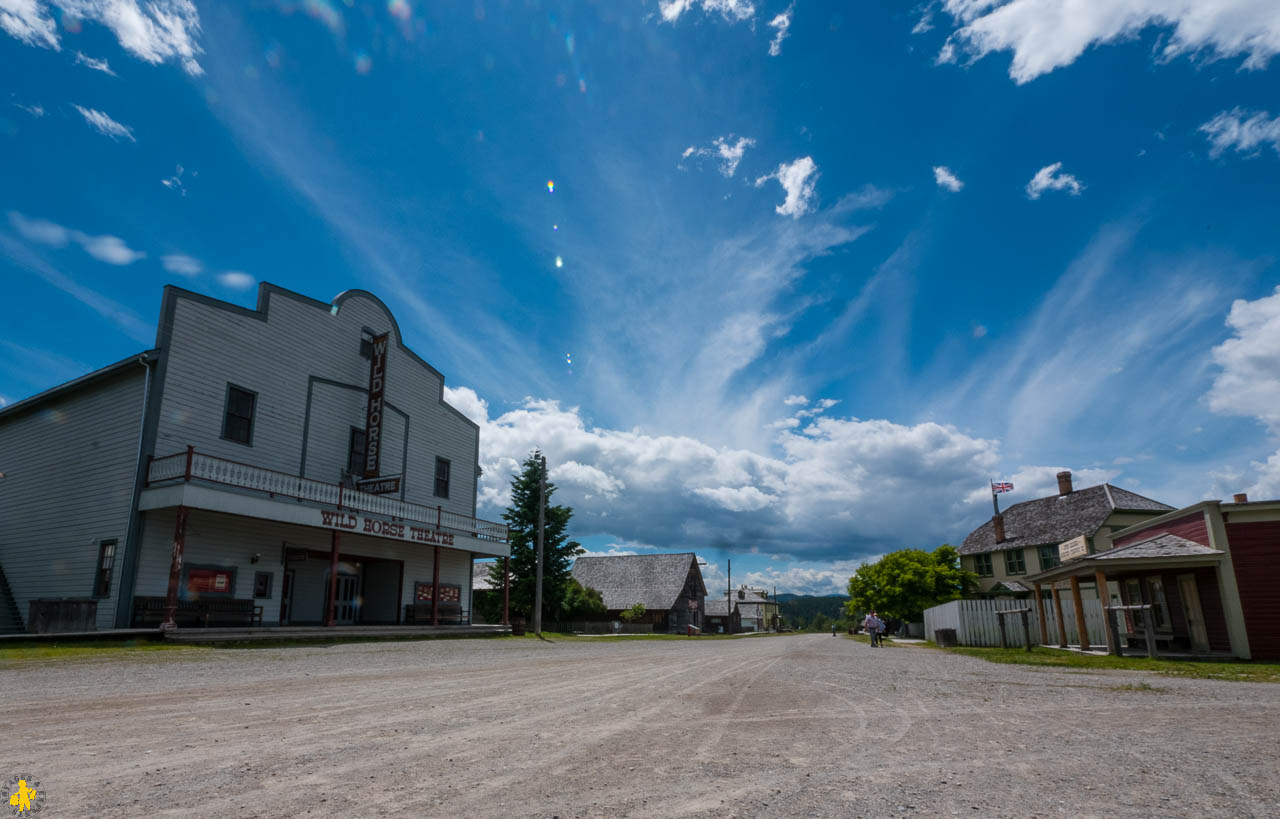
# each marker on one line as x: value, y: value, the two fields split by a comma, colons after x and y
x: 366, y: 343
x: 355, y: 452
x: 1159, y: 606
x: 106, y: 562
x: 262, y: 585
x: 1014, y: 562
x: 237, y: 424
x: 442, y: 478
x: 1048, y: 557
x: 982, y: 565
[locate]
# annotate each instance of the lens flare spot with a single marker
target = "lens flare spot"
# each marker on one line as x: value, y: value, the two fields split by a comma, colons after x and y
x: 399, y: 9
x: 559, y: 262
x: 555, y: 227
x: 364, y: 63
x: 551, y: 186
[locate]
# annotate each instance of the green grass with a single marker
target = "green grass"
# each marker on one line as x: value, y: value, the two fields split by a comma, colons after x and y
x: 1235, y: 671
x: 553, y: 637
x: 24, y: 653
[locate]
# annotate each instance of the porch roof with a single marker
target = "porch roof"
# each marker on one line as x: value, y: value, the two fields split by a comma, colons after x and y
x: 1158, y: 551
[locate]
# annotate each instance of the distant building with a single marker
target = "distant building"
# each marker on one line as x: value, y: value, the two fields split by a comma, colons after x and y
x: 1024, y: 539
x: 756, y: 611
x: 720, y: 617
x: 669, y: 587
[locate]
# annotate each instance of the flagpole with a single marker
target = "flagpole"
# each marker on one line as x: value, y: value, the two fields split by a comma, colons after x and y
x: 994, y: 504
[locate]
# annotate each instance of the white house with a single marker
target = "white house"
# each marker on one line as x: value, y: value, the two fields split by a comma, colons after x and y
x: 295, y: 463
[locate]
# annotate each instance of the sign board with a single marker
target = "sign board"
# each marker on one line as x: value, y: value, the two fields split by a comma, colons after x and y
x: 389, y: 485
x: 1071, y: 549
x: 374, y: 414
x: 693, y: 603
x: 449, y: 593
x: 396, y: 530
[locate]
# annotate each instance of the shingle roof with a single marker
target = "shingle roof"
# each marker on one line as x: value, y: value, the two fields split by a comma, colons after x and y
x: 624, y: 580
x: 714, y: 607
x: 1165, y: 545
x: 1052, y: 520
x: 1010, y: 587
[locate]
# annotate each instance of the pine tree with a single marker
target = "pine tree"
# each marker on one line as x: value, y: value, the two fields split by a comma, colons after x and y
x: 557, y: 552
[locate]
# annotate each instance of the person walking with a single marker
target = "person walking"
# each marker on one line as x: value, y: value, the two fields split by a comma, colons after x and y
x: 872, y: 624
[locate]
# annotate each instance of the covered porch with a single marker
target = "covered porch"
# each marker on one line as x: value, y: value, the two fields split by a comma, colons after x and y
x: 1161, y: 595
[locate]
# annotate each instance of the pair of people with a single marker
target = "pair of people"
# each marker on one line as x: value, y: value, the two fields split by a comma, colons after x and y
x: 875, y: 628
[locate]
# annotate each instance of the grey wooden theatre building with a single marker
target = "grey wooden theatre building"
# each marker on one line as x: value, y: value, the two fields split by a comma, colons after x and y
x: 290, y: 464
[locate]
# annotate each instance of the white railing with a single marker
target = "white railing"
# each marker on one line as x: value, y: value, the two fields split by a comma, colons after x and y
x: 192, y: 465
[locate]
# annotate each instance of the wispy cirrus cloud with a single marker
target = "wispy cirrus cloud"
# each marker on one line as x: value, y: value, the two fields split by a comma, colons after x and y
x: 96, y: 65
x: 181, y: 264
x: 726, y: 150
x: 799, y: 180
x: 781, y: 25
x: 109, y: 249
x: 104, y: 124
x: 1242, y: 131
x: 732, y: 10
x: 236, y: 280
x: 1051, y: 178
x: 1045, y: 35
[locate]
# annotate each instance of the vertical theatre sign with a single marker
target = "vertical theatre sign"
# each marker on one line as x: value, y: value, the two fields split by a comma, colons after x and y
x: 373, y: 418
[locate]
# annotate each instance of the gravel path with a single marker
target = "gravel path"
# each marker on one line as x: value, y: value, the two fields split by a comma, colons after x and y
x: 804, y: 725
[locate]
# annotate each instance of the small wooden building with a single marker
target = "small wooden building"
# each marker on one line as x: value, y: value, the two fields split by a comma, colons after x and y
x: 669, y: 587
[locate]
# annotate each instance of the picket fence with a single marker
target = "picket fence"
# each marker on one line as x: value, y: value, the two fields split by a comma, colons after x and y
x: 976, y: 623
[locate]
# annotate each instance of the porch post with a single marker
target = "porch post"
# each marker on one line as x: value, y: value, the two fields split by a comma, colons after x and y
x: 175, y: 570
x: 1044, y: 627
x: 1062, y: 620
x: 435, y: 587
x: 1100, y: 578
x: 335, y: 541
x: 1081, y: 629
x: 506, y: 591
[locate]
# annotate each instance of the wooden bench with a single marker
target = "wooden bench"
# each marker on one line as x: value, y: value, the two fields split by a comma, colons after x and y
x: 420, y: 614
x: 206, y: 613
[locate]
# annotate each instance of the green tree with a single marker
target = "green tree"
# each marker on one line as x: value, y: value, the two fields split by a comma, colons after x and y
x: 634, y: 613
x: 902, y: 584
x: 557, y: 554
x: 581, y: 602
x: 821, y: 622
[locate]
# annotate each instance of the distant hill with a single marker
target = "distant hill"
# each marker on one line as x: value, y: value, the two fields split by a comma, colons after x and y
x: 787, y: 596
x: 800, y: 609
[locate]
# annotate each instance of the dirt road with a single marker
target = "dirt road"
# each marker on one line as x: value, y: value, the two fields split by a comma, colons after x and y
x: 805, y: 725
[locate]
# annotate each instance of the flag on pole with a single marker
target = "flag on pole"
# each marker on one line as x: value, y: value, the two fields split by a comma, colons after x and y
x: 1000, y: 487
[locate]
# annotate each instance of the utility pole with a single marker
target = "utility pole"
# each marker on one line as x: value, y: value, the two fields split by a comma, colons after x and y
x: 542, y: 509
x: 728, y: 599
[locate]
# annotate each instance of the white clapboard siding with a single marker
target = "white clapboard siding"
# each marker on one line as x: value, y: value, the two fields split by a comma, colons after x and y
x: 69, y: 469
x: 977, y: 624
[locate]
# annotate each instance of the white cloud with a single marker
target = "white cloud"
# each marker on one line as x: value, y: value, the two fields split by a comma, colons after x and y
x: 780, y: 24
x: 1045, y: 35
x: 174, y: 183
x: 155, y: 31
x: 1048, y: 178
x: 236, y: 280
x: 1249, y: 383
x: 808, y: 578
x: 36, y: 111
x: 725, y: 149
x: 96, y: 65
x: 795, y: 400
x: 109, y: 249
x: 1243, y: 131
x: 946, y: 179
x: 182, y: 265
x: 104, y: 124
x: 732, y: 10
x: 798, y: 179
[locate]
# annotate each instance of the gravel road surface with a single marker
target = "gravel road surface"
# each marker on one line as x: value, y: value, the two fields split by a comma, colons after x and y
x: 793, y: 725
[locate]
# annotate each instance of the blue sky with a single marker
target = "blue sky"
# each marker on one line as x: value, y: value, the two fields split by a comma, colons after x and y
x: 816, y: 288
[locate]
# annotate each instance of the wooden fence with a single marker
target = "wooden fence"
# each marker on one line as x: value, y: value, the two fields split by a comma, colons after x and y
x: 976, y: 623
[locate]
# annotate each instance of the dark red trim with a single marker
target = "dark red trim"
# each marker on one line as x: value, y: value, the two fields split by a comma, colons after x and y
x: 435, y: 588
x: 400, y: 594
x: 336, y: 540
x: 175, y: 568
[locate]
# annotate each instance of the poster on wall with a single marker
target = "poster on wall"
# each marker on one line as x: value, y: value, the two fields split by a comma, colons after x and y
x: 449, y: 593
x: 210, y: 581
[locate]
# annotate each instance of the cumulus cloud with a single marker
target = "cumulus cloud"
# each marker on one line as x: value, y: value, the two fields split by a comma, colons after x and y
x: 104, y: 124
x: 795, y: 400
x: 780, y: 25
x: 799, y: 180
x: 236, y: 280
x: 155, y: 31
x: 732, y: 10
x: 109, y: 249
x: 725, y: 150
x: 182, y: 265
x: 830, y: 486
x: 96, y: 65
x: 1242, y: 131
x: 946, y: 179
x: 1249, y: 381
x: 808, y: 578
x: 1045, y: 35
x: 1050, y: 178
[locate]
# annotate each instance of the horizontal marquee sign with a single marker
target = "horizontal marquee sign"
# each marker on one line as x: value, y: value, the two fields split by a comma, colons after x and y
x: 396, y: 530
x: 389, y: 485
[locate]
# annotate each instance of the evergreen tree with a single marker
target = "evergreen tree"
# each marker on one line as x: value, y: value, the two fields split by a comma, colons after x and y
x: 557, y: 552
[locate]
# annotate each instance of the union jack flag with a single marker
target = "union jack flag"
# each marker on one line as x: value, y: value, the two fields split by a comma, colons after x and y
x: 1000, y: 487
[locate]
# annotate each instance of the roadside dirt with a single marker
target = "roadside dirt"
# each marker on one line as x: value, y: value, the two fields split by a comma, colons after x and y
x: 805, y: 725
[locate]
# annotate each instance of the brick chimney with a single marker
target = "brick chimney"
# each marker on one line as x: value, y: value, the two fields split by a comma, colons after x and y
x: 998, y: 522
x: 1064, y: 483
x: 1241, y: 497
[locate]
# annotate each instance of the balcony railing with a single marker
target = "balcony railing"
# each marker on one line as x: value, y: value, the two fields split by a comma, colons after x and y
x: 196, y: 466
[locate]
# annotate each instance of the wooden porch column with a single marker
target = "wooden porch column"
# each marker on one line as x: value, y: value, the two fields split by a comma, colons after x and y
x: 1044, y: 627
x: 1081, y: 629
x: 1062, y: 625
x: 175, y: 570
x: 435, y: 587
x: 1100, y: 578
x: 506, y: 591
x: 335, y: 543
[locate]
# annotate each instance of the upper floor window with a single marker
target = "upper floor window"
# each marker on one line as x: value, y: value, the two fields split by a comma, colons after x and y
x: 1048, y: 557
x: 355, y: 452
x: 982, y: 564
x: 1015, y: 562
x: 106, y: 562
x: 442, y: 478
x: 237, y: 422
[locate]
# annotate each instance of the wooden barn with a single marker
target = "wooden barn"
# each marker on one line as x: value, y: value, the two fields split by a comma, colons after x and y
x: 669, y: 587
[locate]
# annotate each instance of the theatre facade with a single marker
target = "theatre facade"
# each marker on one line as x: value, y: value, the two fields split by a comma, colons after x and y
x: 293, y: 464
